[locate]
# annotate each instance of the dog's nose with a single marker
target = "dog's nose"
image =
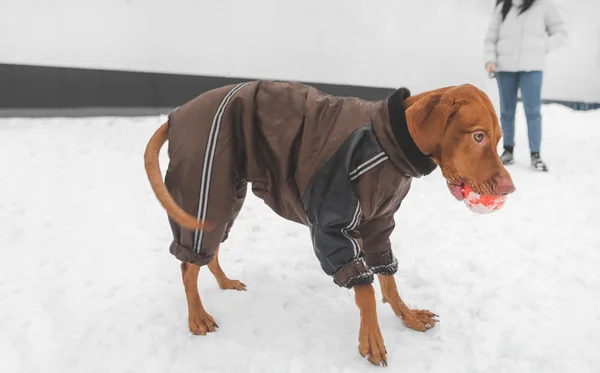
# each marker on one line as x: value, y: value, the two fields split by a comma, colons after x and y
x: 505, y: 185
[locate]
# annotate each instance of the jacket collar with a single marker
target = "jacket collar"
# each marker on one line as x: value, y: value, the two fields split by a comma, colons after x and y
x: 396, y: 140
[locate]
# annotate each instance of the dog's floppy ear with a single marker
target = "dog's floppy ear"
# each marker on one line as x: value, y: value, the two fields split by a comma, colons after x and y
x: 428, y: 117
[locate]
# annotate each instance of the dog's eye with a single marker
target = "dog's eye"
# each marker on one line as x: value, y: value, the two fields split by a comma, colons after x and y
x: 479, y: 136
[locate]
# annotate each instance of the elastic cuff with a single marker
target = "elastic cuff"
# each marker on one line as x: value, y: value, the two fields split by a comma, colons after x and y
x: 384, y: 263
x: 353, y: 273
x: 185, y: 254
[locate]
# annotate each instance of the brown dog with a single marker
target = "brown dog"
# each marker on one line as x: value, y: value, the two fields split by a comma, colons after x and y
x: 338, y: 165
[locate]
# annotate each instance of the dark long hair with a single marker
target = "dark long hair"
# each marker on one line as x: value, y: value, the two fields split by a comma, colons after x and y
x: 507, y: 4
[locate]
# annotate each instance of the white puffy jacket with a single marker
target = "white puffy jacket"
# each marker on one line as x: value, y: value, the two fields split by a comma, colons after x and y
x: 521, y: 42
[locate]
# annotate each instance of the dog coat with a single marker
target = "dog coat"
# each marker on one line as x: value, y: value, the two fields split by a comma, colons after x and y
x: 340, y: 166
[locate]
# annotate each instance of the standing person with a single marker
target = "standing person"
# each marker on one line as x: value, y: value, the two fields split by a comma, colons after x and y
x: 518, y: 37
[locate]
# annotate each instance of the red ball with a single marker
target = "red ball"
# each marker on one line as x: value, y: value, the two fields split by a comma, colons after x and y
x: 482, y: 204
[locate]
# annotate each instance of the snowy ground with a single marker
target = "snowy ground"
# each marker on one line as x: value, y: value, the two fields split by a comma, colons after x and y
x: 87, y: 283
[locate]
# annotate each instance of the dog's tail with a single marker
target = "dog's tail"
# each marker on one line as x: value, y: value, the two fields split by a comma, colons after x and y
x: 152, y: 165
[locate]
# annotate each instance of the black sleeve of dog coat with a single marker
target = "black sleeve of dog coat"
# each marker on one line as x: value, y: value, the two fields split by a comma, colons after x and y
x: 334, y: 212
x: 332, y: 222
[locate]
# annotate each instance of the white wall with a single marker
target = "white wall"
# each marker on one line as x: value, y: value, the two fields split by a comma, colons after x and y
x: 421, y: 44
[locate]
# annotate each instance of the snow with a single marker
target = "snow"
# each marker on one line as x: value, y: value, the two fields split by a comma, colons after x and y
x: 87, y: 283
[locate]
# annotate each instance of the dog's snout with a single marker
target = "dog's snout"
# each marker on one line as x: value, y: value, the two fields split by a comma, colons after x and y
x: 505, y: 185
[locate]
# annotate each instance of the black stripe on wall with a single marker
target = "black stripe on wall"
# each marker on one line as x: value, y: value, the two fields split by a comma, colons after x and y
x: 43, y: 87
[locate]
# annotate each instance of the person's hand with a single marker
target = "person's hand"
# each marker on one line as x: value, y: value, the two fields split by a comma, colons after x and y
x: 490, y: 67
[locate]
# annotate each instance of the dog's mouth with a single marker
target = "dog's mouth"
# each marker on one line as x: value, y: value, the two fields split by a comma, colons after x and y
x: 457, y: 190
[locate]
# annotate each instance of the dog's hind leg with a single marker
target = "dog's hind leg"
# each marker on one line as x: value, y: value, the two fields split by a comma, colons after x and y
x: 420, y: 320
x: 199, y: 320
x: 222, y: 279
x: 224, y: 282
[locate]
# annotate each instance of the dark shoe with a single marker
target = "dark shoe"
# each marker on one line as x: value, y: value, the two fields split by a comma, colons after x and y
x: 507, y: 157
x: 537, y: 163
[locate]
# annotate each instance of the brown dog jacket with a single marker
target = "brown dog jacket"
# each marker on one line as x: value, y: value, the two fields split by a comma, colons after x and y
x: 340, y: 166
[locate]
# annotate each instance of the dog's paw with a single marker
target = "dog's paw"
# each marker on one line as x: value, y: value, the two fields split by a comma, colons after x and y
x: 371, y: 346
x: 232, y: 284
x: 202, y: 323
x: 420, y: 320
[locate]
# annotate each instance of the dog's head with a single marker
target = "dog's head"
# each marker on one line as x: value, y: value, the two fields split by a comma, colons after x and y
x: 459, y: 128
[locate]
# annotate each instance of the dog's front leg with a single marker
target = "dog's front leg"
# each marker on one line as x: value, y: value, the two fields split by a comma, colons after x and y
x: 370, y: 340
x: 199, y: 320
x: 420, y: 320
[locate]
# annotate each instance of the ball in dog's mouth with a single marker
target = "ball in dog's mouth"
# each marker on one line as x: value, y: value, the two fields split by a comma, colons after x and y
x: 481, y: 203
